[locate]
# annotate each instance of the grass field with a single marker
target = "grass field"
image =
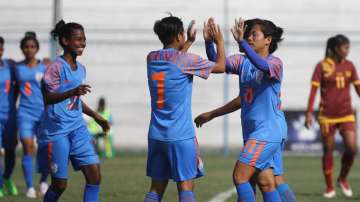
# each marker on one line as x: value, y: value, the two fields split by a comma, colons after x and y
x: 124, y: 180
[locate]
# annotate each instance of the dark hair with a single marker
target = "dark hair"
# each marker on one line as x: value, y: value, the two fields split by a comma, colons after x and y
x: 29, y: 35
x: 334, y: 42
x: 2, y: 40
x: 64, y: 30
x: 268, y: 28
x: 168, y: 28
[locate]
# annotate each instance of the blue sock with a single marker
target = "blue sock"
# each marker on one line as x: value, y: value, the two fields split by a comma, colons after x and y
x: 51, y: 196
x: 272, y: 196
x: 285, y: 192
x: 9, y: 163
x: 186, y: 196
x: 28, y: 169
x: 245, y: 192
x: 152, y: 197
x: 91, y: 193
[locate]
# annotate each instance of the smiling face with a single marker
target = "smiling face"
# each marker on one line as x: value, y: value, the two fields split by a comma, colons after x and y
x: 30, y: 48
x: 257, y: 40
x: 76, y: 43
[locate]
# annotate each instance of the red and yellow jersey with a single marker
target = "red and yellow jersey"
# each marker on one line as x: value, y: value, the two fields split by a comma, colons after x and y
x: 334, y: 81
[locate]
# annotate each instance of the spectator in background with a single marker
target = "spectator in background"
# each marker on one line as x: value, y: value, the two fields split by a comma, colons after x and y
x: 97, y: 132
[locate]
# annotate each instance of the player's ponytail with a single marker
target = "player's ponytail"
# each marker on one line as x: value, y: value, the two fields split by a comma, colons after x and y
x: 29, y: 35
x: 64, y: 30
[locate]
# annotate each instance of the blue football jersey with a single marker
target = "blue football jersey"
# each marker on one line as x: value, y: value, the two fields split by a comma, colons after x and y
x: 261, y: 115
x: 7, y: 79
x: 170, y: 78
x: 65, y: 116
x: 29, y: 80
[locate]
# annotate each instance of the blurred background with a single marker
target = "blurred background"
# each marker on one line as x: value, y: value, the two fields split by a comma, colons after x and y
x: 119, y: 36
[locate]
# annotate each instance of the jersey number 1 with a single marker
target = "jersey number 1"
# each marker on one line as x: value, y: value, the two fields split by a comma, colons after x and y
x: 160, y: 78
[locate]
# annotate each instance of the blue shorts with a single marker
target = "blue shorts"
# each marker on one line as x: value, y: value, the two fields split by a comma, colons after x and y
x: 8, y: 137
x: 28, y: 127
x: 259, y: 154
x: 178, y: 160
x: 278, y: 166
x: 78, y: 146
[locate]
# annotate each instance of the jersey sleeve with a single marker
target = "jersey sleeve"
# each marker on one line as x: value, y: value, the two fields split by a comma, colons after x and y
x: 316, y: 77
x: 275, y: 68
x: 354, y: 76
x: 195, y: 65
x: 233, y: 63
x: 52, y: 77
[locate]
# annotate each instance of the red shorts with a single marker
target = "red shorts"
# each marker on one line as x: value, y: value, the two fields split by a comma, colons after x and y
x: 328, y: 129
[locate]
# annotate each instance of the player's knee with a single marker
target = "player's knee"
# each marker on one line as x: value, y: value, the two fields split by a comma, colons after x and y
x: 266, y: 185
x: 95, y: 178
x: 240, y: 177
x: 59, y: 187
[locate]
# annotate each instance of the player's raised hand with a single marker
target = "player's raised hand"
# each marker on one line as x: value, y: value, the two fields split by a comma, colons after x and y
x: 81, y: 89
x: 308, y: 120
x: 206, y: 30
x: 191, y: 31
x: 238, y: 29
x: 216, y: 33
x: 202, y: 119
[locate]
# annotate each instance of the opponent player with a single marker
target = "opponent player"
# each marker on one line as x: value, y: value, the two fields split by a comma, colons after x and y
x: 64, y: 129
x: 29, y: 74
x: 333, y: 75
x: 284, y: 190
x: 172, y: 146
x: 8, y: 138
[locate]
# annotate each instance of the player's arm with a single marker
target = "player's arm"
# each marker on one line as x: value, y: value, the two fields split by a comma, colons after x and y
x: 216, y: 34
x: 228, y: 108
x: 355, y: 80
x: 105, y: 125
x: 191, y: 36
x: 53, y: 98
x: 315, y: 84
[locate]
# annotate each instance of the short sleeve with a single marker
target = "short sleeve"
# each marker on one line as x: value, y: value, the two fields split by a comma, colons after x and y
x: 275, y: 68
x: 354, y: 75
x: 195, y: 65
x: 316, y: 77
x: 52, y: 77
x: 233, y: 63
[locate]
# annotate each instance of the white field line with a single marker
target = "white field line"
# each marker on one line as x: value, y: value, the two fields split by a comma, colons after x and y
x: 222, y: 196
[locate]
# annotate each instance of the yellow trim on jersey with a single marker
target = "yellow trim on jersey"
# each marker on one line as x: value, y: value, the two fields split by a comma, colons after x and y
x: 357, y: 82
x: 315, y: 83
x: 327, y: 120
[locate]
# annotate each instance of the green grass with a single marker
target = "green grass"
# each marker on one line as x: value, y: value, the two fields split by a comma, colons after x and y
x: 124, y: 179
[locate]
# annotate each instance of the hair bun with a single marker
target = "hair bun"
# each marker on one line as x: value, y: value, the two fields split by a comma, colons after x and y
x: 30, y: 34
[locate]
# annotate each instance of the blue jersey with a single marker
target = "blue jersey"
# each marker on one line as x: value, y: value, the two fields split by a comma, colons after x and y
x: 7, y: 81
x: 66, y: 116
x: 170, y: 78
x: 29, y: 80
x: 261, y: 115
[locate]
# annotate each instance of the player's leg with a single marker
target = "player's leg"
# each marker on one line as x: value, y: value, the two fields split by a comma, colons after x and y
x: 83, y: 157
x: 241, y: 176
x: 266, y: 182
x: 2, y: 194
x: 42, y: 166
x: 58, y: 159
x: 186, y: 166
x: 328, y: 142
x: 9, y: 144
x: 348, y: 132
x: 156, y: 191
x: 285, y: 192
x: 27, y: 163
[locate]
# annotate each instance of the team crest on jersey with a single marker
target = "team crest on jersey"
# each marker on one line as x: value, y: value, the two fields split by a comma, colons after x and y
x: 54, y: 167
x: 348, y: 74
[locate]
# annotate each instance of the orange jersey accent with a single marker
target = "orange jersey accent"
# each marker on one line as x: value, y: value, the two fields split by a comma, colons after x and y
x: 334, y: 81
